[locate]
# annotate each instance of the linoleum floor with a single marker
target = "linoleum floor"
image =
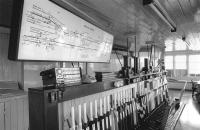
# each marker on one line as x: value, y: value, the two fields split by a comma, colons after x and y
x: 190, y: 118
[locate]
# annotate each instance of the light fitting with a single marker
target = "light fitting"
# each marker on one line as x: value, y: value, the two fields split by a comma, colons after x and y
x: 197, y: 16
x: 161, y: 12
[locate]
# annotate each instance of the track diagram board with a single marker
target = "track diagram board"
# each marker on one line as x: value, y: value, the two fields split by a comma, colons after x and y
x: 49, y: 32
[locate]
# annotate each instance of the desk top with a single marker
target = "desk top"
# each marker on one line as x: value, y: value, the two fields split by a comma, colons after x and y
x: 197, y: 82
x: 11, y: 94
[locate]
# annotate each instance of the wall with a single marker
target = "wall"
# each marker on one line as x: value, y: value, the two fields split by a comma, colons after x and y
x: 9, y: 70
x: 114, y: 65
x: 32, y: 70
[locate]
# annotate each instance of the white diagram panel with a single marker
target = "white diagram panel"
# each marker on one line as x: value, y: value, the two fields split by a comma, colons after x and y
x: 49, y: 32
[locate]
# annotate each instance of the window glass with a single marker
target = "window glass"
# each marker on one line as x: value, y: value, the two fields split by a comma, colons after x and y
x: 142, y: 61
x: 169, y: 62
x: 169, y: 45
x: 180, y: 45
x: 194, y: 64
x: 193, y: 40
x: 180, y: 62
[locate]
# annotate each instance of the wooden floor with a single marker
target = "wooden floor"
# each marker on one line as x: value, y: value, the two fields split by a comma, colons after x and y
x: 190, y: 118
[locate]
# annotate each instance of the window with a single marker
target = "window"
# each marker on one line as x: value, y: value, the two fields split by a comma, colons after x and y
x: 142, y: 61
x: 180, y: 62
x: 193, y: 40
x: 180, y: 45
x: 194, y: 64
x: 169, y: 62
x: 194, y: 46
x: 169, y: 45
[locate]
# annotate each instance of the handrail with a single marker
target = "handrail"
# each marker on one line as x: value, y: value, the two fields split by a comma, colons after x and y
x: 177, y: 102
x: 182, y: 91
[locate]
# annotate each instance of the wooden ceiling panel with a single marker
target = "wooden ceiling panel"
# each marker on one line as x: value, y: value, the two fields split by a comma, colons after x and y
x: 194, y: 3
x: 170, y: 10
x: 186, y: 7
x: 130, y: 16
x: 110, y: 8
x: 173, y: 9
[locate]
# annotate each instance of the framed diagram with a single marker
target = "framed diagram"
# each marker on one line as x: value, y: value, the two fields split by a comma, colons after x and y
x: 46, y: 32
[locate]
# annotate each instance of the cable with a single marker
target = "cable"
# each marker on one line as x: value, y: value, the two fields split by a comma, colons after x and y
x: 86, y: 68
x: 118, y: 58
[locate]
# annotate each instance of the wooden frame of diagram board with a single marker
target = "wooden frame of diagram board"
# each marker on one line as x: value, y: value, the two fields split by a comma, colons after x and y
x: 43, y: 31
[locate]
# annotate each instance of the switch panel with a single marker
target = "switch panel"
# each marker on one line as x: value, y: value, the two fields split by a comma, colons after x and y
x: 57, y: 76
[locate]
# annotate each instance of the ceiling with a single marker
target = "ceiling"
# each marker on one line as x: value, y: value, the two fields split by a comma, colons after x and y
x: 186, y: 14
x: 127, y: 18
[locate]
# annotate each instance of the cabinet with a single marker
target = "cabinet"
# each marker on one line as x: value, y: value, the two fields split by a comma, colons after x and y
x: 43, y: 108
x: 14, y: 113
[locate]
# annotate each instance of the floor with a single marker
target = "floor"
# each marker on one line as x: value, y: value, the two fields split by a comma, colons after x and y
x: 190, y: 118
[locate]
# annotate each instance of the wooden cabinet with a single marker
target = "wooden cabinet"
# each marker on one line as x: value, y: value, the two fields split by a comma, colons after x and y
x: 14, y: 113
x: 43, y: 108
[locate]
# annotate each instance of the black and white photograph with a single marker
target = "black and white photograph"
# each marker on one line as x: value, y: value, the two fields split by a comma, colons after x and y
x: 99, y: 65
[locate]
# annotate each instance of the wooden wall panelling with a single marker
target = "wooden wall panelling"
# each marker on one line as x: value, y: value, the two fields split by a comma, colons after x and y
x: 26, y: 114
x: 9, y: 70
x: 8, y: 115
x: 20, y: 114
x: 2, y: 116
x: 32, y: 71
x: 14, y: 115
